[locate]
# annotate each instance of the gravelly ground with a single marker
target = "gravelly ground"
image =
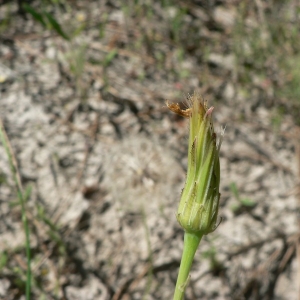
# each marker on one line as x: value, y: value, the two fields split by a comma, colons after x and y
x: 106, y: 161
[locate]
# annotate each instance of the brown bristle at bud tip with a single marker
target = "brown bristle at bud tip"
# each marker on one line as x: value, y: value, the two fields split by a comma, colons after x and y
x: 209, y: 111
x: 174, y: 107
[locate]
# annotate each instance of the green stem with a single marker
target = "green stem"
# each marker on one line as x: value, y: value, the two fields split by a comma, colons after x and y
x: 190, y: 245
x: 28, y: 254
x: 14, y: 169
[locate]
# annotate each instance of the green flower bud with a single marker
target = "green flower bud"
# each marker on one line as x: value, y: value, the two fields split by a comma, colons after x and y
x: 198, y: 207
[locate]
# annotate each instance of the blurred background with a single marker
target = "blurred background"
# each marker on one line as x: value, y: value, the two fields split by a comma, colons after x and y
x: 83, y: 86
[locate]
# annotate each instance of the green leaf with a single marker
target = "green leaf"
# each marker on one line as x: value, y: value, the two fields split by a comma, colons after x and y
x: 234, y: 190
x: 14, y: 203
x: 27, y: 193
x: 36, y: 15
x: 3, y: 260
x: 2, y: 178
x: 235, y: 207
x: 109, y: 57
x: 55, y: 25
x: 248, y: 202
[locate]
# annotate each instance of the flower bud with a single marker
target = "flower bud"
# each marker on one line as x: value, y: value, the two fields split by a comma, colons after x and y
x: 198, y: 207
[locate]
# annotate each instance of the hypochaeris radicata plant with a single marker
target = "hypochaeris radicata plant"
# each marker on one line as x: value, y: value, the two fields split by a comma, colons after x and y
x: 198, y: 208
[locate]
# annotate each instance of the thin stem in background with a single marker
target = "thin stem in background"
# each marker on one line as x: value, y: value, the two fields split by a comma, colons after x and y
x: 22, y: 199
x: 298, y: 241
x: 150, y: 257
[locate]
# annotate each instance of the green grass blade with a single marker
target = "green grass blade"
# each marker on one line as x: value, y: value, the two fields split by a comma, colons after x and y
x: 55, y: 25
x: 36, y: 15
x: 21, y: 196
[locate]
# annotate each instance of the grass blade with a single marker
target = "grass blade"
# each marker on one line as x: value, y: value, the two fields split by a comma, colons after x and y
x: 55, y: 25
x: 22, y: 197
x: 36, y: 15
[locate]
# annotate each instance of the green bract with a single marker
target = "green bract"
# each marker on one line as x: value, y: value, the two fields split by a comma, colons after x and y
x: 198, y: 207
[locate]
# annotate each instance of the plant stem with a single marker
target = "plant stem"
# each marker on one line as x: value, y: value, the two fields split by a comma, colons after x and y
x: 190, y: 245
x: 28, y: 254
x: 22, y: 199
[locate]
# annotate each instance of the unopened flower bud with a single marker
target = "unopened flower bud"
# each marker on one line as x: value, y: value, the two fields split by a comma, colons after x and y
x: 198, y: 207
